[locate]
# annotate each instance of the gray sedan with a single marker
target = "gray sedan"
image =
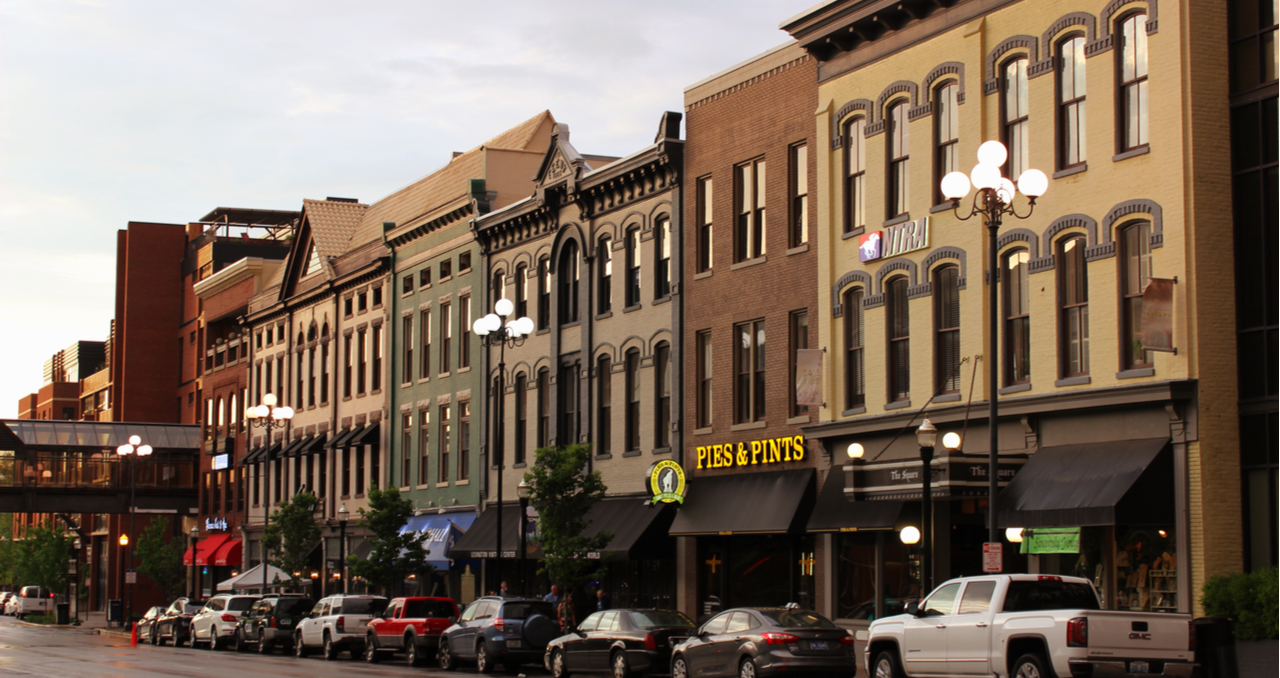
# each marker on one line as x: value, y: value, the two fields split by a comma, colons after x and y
x: 764, y: 642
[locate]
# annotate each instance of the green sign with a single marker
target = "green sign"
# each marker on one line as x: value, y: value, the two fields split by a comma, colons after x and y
x: 1051, y: 540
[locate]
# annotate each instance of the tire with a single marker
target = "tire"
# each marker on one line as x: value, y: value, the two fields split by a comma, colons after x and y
x: 886, y: 665
x: 679, y: 669
x: 241, y: 646
x: 152, y: 636
x: 263, y: 646
x: 160, y: 639
x: 330, y: 651
x: 483, y: 663
x: 622, y: 669
x: 444, y: 657
x: 559, y: 667
x: 412, y: 653
x: 179, y: 641
x: 299, y: 647
x: 1030, y: 666
x: 747, y: 668
x: 371, y: 648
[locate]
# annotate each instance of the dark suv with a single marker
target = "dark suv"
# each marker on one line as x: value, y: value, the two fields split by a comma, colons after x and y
x: 495, y: 630
x: 271, y: 621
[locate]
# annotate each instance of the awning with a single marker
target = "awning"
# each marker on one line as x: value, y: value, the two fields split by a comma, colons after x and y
x: 340, y: 439
x: 480, y: 539
x: 294, y: 446
x: 252, y: 455
x: 314, y: 445
x: 252, y: 579
x: 1125, y: 482
x: 205, y: 549
x: 751, y: 503
x: 259, y: 454
x: 835, y: 513
x: 368, y: 435
x: 230, y: 553
x: 639, y: 530
x: 438, y: 533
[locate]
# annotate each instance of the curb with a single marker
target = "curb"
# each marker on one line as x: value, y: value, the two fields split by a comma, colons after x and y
x: 48, y: 626
x: 117, y: 634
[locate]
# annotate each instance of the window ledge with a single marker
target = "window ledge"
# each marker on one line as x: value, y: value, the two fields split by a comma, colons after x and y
x: 662, y: 450
x: 748, y: 263
x: 445, y: 279
x: 853, y: 234
x: 897, y: 405
x: 375, y: 391
x: 704, y: 431
x: 661, y: 300
x: 520, y: 464
x: 545, y: 330
x: 631, y: 453
x: 462, y: 483
x: 346, y: 398
x: 464, y: 370
x: 1016, y: 388
x: 1132, y: 153
x: 605, y: 455
x: 749, y: 426
x: 1071, y: 170
x: 704, y: 274
x: 947, y: 398
x: 943, y: 207
x: 853, y: 410
x: 574, y: 323
x: 345, y: 496
x: 444, y: 484
x: 796, y: 421
x: 442, y: 375
x: 1073, y: 381
x: 798, y: 249
x: 635, y: 307
x: 900, y: 219
x: 424, y: 380
x: 1136, y: 372
x: 606, y: 314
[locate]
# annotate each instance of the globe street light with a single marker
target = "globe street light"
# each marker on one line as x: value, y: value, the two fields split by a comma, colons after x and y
x: 522, y: 491
x: 993, y: 200
x: 342, y: 545
x: 269, y: 418
x: 132, y: 450
x: 195, y: 537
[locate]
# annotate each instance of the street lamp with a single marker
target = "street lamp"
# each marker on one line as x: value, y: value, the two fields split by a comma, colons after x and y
x: 522, y: 491
x: 493, y: 332
x: 926, y: 436
x: 131, y: 450
x: 342, y: 545
x: 993, y: 200
x: 124, y: 542
x: 267, y: 417
x: 195, y: 536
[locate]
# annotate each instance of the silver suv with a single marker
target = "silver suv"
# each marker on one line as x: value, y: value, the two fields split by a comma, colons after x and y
x: 215, y: 623
x: 337, y: 624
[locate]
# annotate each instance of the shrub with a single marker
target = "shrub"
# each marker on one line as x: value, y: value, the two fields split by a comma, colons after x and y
x: 1251, y: 600
x: 40, y: 618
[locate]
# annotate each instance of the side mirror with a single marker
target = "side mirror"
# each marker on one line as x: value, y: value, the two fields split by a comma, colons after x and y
x: 914, y: 610
x: 452, y: 619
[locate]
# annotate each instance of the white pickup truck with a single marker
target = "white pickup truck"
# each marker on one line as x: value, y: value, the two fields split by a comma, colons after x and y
x: 1026, y: 626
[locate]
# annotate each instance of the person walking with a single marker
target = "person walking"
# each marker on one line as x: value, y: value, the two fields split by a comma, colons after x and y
x: 602, y: 601
x: 554, y: 596
x: 568, y: 618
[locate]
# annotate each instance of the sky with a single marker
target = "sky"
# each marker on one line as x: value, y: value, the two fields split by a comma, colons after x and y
x: 118, y: 111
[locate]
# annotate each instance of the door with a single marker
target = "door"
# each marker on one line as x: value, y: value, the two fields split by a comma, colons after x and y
x: 391, y: 626
x: 598, y: 641
x: 577, y: 644
x: 969, y: 630
x: 700, y: 654
x: 737, y: 632
x: 463, y: 639
x: 925, y: 636
x: 312, y: 626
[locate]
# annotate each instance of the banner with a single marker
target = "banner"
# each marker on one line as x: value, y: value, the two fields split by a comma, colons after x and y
x: 1157, y: 315
x: 1051, y: 540
x: 809, y: 377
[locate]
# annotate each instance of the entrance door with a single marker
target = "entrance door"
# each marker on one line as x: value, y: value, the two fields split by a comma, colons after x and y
x: 925, y: 636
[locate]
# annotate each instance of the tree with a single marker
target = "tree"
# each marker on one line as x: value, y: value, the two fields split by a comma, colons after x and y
x: 8, y: 551
x: 292, y: 534
x: 160, y: 560
x: 42, y: 559
x: 563, y: 492
x: 395, y: 554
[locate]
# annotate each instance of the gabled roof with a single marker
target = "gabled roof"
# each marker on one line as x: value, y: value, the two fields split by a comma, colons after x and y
x: 332, y: 223
x: 561, y: 160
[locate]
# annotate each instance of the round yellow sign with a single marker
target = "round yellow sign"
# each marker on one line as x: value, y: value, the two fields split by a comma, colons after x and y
x: 667, y: 482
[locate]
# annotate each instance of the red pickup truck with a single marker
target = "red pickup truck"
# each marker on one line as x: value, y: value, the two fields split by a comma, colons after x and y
x: 410, y: 625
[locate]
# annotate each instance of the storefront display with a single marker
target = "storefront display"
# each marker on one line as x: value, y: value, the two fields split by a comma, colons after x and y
x: 1146, y: 570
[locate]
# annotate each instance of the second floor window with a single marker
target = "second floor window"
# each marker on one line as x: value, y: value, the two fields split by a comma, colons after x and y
x: 1017, y: 317
x: 375, y: 379
x: 446, y: 336
x: 898, y: 143
x: 464, y: 331
x: 855, y: 393
x: 704, y: 243
x: 749, y: 214
x: 544, y: 294
x: 568, y: 273
x: 662, y: 265
x: 522, y: 417
x: 406, y: 449
x: 1073, y: 297
x: 799, y: 194
x: 898, y: 324
x: 704, y: 378
x: 464, y: 440
x: 633, y: 267
x: 662, y: 396
x: 632, y: 376
x: 362, y: 360
x: 407, y: 343
x: 346, y: 367
x: 604, y: 280
x: 1135, y: 273
x: 604, y: 405
x: 1014, y: 111
x: 946, y: 327
x: 424, y: 331
x: 544, y: 407
x: 567, y: 385
x: 446, y: 423
x: 946, y: 130
x: 1133, y: 82
x: 748, y: 396
x: 424, y: 448
x: 799, y: 337
x: 1071, y: 118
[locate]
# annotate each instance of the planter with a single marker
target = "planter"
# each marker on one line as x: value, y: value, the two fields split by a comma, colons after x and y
x: 1258, y: 658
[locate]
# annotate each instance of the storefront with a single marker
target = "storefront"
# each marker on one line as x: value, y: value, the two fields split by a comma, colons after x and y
x: 439, y: 532
x: 216, y: 558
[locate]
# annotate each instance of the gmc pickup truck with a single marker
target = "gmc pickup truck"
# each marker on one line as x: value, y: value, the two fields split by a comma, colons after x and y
x: 1026, y: 626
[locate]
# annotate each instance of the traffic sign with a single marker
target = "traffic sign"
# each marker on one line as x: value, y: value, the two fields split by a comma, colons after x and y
x: 992, y: 557
x: 131, y: 576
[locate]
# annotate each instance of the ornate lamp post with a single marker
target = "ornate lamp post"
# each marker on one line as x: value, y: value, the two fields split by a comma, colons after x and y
x: 493, y: 332
x: 342, y: 545
x: 522, y: 491
x: 131, y: 450
x: 195, y: 537
x: 268, y: 417
x: 993, y: 200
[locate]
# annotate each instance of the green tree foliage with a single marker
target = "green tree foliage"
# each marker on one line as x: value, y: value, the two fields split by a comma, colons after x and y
x: 395, y: 555
x: 160, y: 559
x: 8, y: 551
x: 1250, y: 600
x: 563, y: 492
x: 43, y: 557
x: 292, y: 534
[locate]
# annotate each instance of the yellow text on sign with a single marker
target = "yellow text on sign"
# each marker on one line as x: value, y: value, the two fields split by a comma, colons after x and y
x: 754, y: 453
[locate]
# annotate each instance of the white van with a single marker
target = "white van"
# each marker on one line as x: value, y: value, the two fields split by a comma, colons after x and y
x: 32, y: 600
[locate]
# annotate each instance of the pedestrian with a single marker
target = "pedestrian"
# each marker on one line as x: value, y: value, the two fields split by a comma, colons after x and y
x: 503, y: 591
x: 554, y: 596
x: 568, y: 618
x: 602, y: 600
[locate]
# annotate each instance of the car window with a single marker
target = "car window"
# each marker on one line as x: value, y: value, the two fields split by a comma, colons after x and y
x: 296, y: 607
x: 239, y: 604
x: 942, y: 601
x: 660, y: 619
x: 421, y: 609
x: 1033, y: 596
x: 373, y: 606
x: 486, y: 610
x: 524, y: 610
x: 589, y: 624
x: 739, y: 622
x: 798, y: 619
x: 392, y: 609
x: 976, y: 597
x: 470, y: 613
x: 608, y: 622
x: 716, y: 625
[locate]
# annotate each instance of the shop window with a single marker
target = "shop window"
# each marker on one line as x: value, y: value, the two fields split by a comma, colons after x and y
x: 604, y: 405
x: 704, y: 223
x: 749, y: 365
x: 855, y: 576
x: 446, y: 424
x: 898, y: 171
x: 632, y: 379
x: 855, y: 170
x: 1135, y: 273
x: 1073, y: 300
x: 1071, y: 111
x: 568, y: 277
x: 946, y: 135
x: 898, y: 324
x: 633, y: 267
x: 662, y: 258
x: 704, y: 378
x: 1132, y: 97
x: 1146, y: 569
x: 1014, y: 114
x: 855, y: 392
x: 798, y: 192
x: 1017, y: 317
x: 424, y: 447
x: 749, y: 214
x: 946, y: 329
x: 522, y: 416
x: 662, y: 396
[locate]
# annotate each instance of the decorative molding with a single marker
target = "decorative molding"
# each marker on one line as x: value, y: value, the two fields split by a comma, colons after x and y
x: 897, y: 265
x: 837, y: 122
x: 1027, y: 42
x: 1138, y: 206
x: 1047, y: 256
x: 947, y: 252
x: 837, y: 310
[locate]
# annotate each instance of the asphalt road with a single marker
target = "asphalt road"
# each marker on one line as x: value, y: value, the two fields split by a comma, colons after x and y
x: 75, y: 653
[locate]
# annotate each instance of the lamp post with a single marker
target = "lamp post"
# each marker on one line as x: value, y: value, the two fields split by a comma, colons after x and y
x: 993, y: 200
x: 195, y: 537
x: 132, y: 450
x: 124, y: 542
x: 493, y: 332
x: 522, y: 491
x: 926, y: 436
x: 342, y: 545
x: 268, y: 417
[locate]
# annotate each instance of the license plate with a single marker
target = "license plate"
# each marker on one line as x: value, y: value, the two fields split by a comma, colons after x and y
x: 1139, y: 667
x: 818, y: 645
x: 513, y: 643
x: 285, y: 621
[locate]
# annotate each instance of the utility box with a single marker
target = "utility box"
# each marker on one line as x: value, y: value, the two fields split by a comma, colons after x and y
x: 115, y: 611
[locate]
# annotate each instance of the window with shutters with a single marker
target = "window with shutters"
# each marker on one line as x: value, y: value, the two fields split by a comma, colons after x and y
x: 898, y: 324
x: 1073, y: 304
x: 946, y: 329
x: 1016, y: 281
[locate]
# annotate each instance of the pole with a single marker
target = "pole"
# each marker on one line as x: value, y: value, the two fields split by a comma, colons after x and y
x: 194, y: 585
x: 266, y: 513
x: 133, y: 535
x: 926, y: 520
x: 342, y: 553
x: 498, y: 448
x: 993, y: 361
x: 524, y: 551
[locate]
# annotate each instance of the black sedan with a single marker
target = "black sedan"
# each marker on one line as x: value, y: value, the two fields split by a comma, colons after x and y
x: 147, y: 625
x: 175, y: 624
x: 621, y: 642
x: 764, y: 642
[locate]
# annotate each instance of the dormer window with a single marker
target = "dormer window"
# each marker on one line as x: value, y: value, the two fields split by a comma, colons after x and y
x: 313, y: 262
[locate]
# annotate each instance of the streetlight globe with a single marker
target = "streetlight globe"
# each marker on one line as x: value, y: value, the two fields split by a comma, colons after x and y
x: 855, y: 451
x: 1006, y: 190
x: 124, y: 540
x: 1033, y: 183
x: 1014, y: 535
x: 992, y: 153
x: 504, y: 307
x: 480, y: 327
x: 909, y: 535
x: 135, y: 440
x: 264, y: 411
x: 522, y: 490
x: 283, y: 413
x: 985, y: 175
x: 195, y: 531
x: 926, y: 435
x: 343, y: 513
x: 251, y: 413
x: 269, y: 400
x: 525, y: 325
x: 492, y: 322
x: 124, y: 450
x: 951, y: 440
x: 955, y: 185
x: 144, y: 450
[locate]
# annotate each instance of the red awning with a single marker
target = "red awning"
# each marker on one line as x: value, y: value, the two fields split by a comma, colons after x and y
x: 230, y: 553
x: 205, y: 549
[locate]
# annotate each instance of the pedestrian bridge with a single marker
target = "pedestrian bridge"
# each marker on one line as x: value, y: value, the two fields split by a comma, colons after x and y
x: 72, y: 467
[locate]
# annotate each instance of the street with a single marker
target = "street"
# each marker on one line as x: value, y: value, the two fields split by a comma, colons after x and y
x: 64, y: 653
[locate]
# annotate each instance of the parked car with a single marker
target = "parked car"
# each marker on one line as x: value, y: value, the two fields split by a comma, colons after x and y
x: 1027, y: 625
x: 175, y: 623
x: 337, y: 624
x: 622, y: 642
x: 4, y: 601
x: 147, y: 625
x: 412, y: 625
x: 31, y: 600
x: 496, y: 630
x: 270, y: 621
x: 763, y: 642
x: 215, y: 624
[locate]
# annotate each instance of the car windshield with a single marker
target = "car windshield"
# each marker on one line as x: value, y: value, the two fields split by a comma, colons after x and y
x: 422, y: 609
x: 1034, y: 596
x: 660, y: 619
x: 373, y: 606
x: 295, y: 606
x: 192, y: 609
x: 526, y: 610
x: 240, y: 604
x: 798, y: 619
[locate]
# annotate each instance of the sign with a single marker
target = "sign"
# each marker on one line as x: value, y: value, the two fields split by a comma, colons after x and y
x: 898, y: 239
x: 809, y: 377
x: 1157, y: 316
x: 220, y: 462
x: 992, y: 557
x: 1051, y: 540
x: 211, y: 524
x: 131, y: 576
x: 754, y: 453
x: 956, y: 475
x: 666, y: 482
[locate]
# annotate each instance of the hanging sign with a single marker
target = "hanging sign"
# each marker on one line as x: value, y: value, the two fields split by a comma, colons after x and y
x: 1051, y: 540
x: 211, y: 524
x: 1157, y: 315
x: 809, y: 377
x: 667, y: 482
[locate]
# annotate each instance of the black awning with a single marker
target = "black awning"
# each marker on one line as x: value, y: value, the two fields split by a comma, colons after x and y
x: 252, y: 455
x: 639, y: 530
x: 480, y: 540
x: 369, y: 434
x: 752, y: 503
x: 1124, y: 482
x: 340, y: 439
x: 315, y: 444
x: 294, y: 446
x: 271, y: 451
x: 835, y: 513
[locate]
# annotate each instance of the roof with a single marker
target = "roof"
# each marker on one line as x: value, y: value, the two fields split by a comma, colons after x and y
x: 332, y: 223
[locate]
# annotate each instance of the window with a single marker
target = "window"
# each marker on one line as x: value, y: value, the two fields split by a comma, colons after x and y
x: 375, y: 466
x: 424, y: 331
x: 1133, y: 82
x: 704, y: 378
x: 376, y: 377
x: 346, y: 366
x: 799, y: 340
x: 359, y: 455
x: 464, y: 440
x: 604, y: 270
x: 1013, y: 116
x: 1071, y: 118
x: 898, y: 143
x: 946, y: 135
x: 749, y: 224
x: 424, y: 277
x: 446, y: 269
x: 464, y: 331
x: 568, y: 274
x: 855, y: 168
x: 898, y: 323
x: 362, y: 360
x: 424, y: 447
x: 257, y: 487
x: 446, y: 412
x: 362, y: 302
x: 604, y: 405
x: 377, y: 296
x: 567, y: 383
x: 406, y: 285
x: 941, y: 602
x: 522, y: 291
x: 1073, y: 300
x: 498, y: 288
x: 1017, y: 318
x: 544, y: 294
x: 632, y: 383
x: 346, y: 474
x: 446, y: 335
x: 798, y: 191
x: 280, y: 376
x: 662, y: 395
x: 946, y: 329
x: 522, y: 415
x: 1135, y: 272
x: 298, y: 377
x: 324, y: 366
x: 407, y: 342
x: 311, y: 376
x: 406, y: 447
x: 544, y: 408
x: 662, y: 276
x: 633, y: 267
x: 704, y: 197
x: 464, y: 262
x: 748, y: 395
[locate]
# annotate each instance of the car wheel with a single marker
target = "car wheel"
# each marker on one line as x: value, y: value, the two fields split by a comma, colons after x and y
x: 1029, y: 666
x: 371, y: 648
x: 413, y: 653
x: 299, y: 647
x: 747, y: 669
x: 444, y: 657
x: 241, y: 646
x: 153, y: 638
x: 263, y: 646
x: 678, y: 668
x: 886, y: 665
x: 330, y: 650
x: 483, y: 663
x: 559, y: 669
x: 160, y: 638
x: 179, y: 641
x: 622, y: 670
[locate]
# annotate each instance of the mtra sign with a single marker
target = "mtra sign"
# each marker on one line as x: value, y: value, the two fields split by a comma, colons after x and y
x: 898, y: 239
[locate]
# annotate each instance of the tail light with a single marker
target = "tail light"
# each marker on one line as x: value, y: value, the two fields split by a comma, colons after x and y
x: 847, y: 639
x: 650, y: 643
x: 272, y: 622
x: 772, y: 638
x: 500, y: 624
x: 1078, y: 632
x: 1048, y: 577
x: 229, y: 618
x: 1191, y: 637
x: 341, y: 625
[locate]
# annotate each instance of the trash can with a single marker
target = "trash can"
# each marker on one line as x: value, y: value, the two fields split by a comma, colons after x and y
x: 115, y: 611
x: 64, y: 613
x: 1215, y: 647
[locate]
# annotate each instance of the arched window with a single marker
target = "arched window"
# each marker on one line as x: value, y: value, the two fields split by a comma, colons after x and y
x: 1015, y: 277
x: 662, y: 395
x: 544, y: 407
x: 522, y: 291
x: 946, y: 329
x: 632, y: 369
x: 222, y: 418
x: 544, y: 294
x: 662, y: 257
x: 855, y: 170
x: 1073, y: 304
x: 568, y: 277
x: 633, y: 267
x: 898, y: 145
x: 1014, y: 110
x: 1135, y: 273
x: 1132, y: 82
x: 1071, y: 112
x: 604, y: 405
x: 522, y: 416
x: 604, y: 275
x: 324, y: 364
x: 567, y: 383
x: 898, y: 324
x: 855, y: 393
x: 499, y: 289
x: 946, y: 134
